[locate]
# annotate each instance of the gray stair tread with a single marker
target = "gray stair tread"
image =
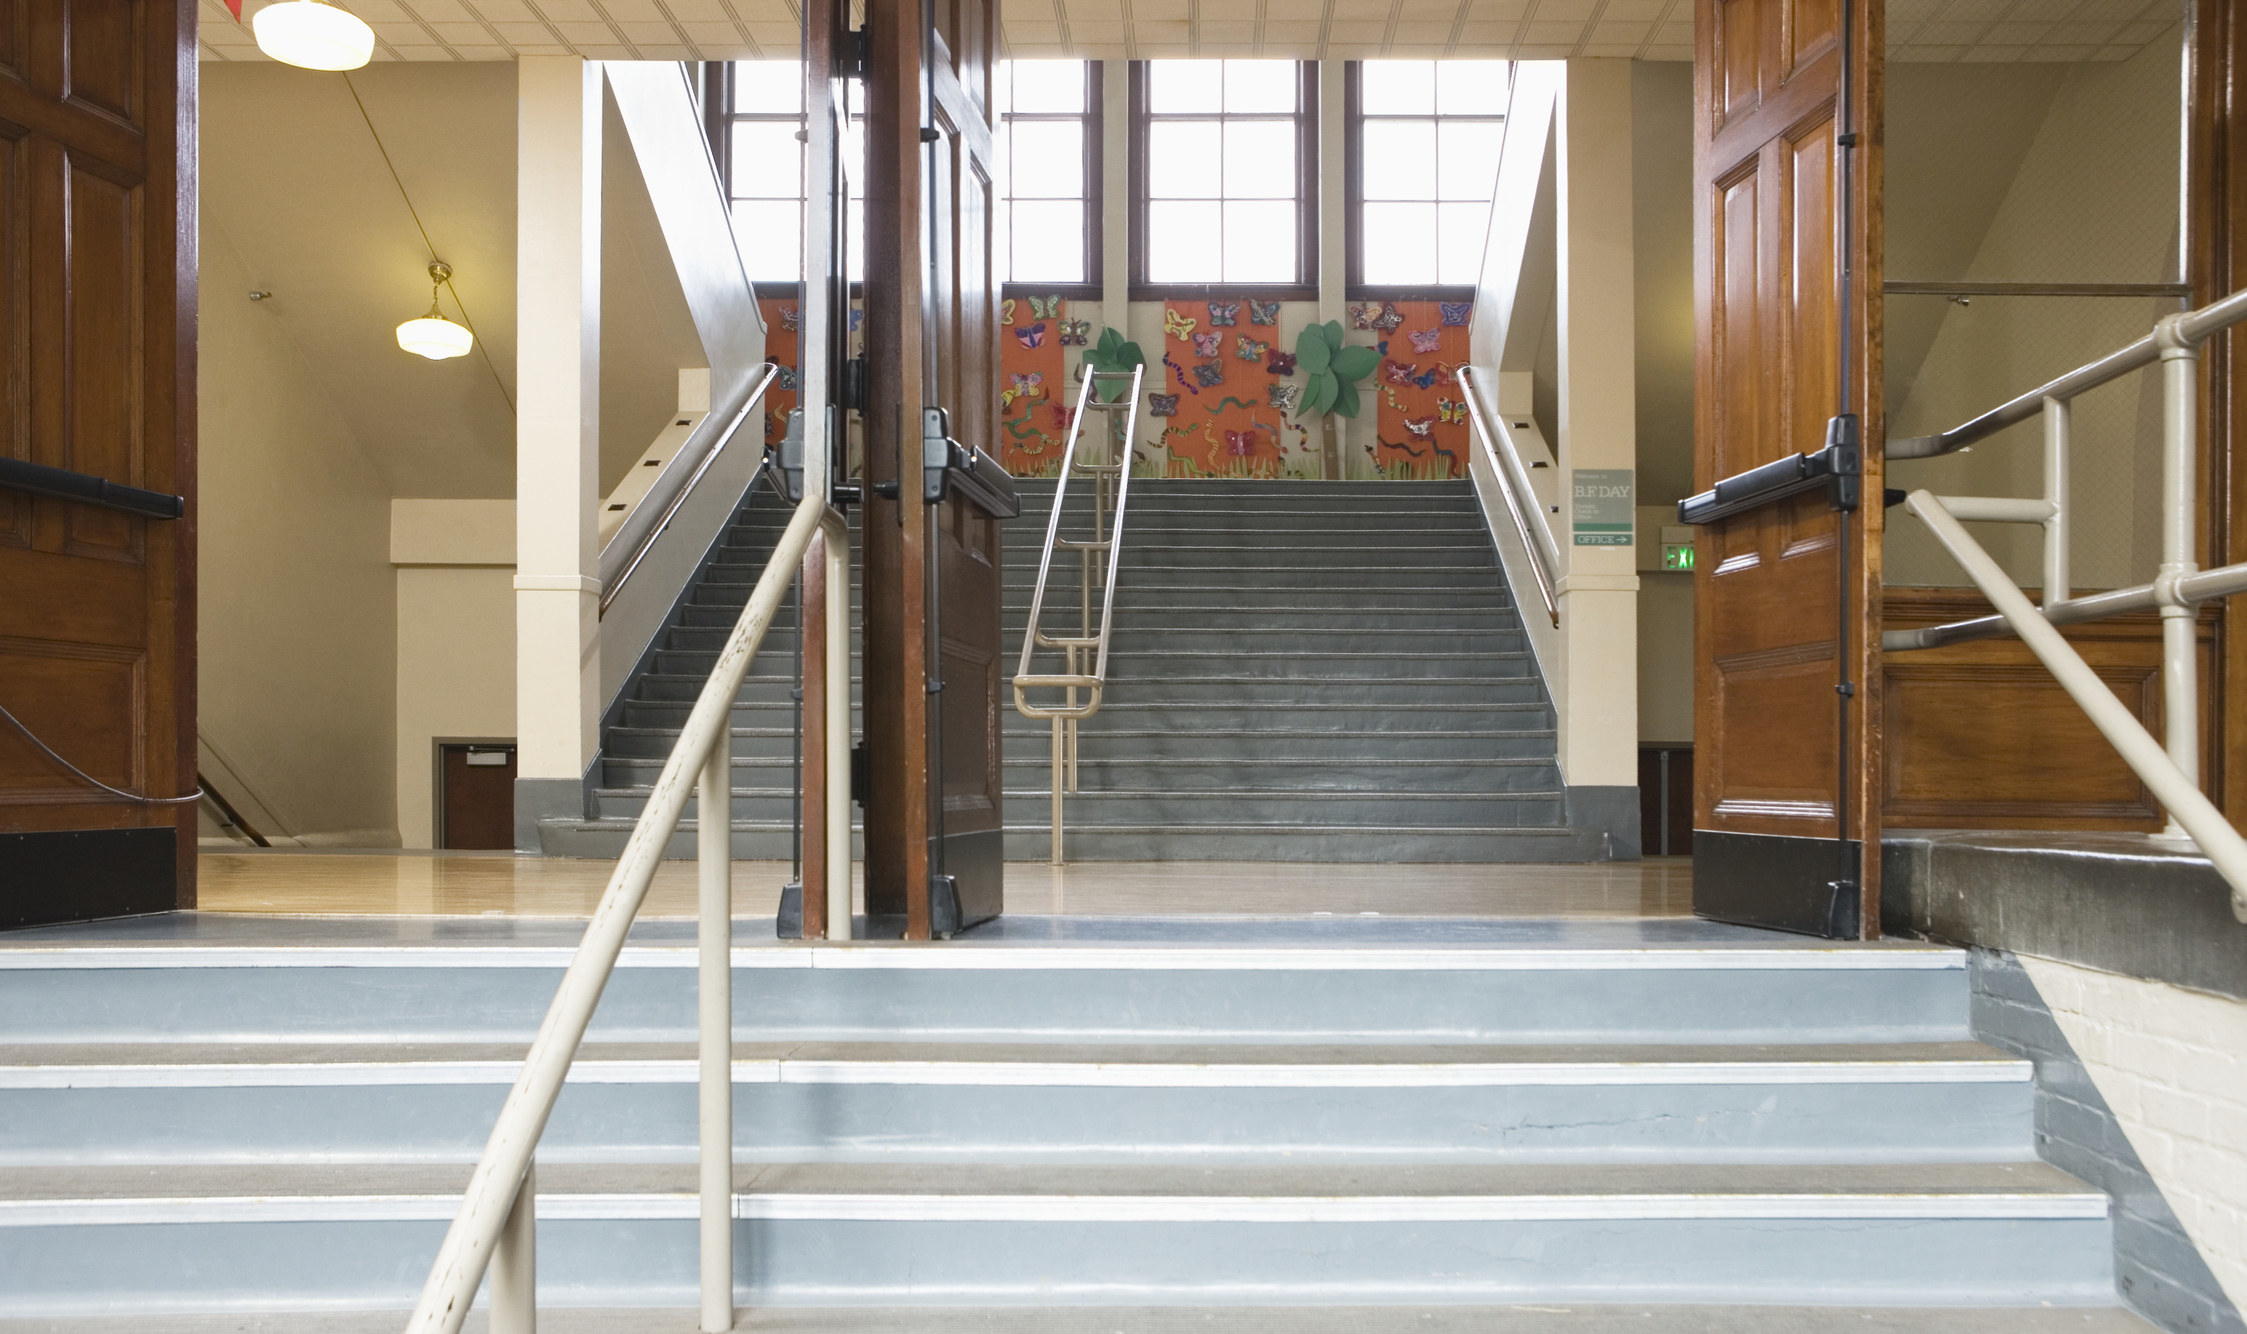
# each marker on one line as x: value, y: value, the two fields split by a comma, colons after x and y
x: 1893, y: 1189
x: 1541, y: 1318
x: 1627, y: 1063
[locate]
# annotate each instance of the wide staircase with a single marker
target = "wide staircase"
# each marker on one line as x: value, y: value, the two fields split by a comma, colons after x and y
x: 1300, y: 671
x: 272, y: 1118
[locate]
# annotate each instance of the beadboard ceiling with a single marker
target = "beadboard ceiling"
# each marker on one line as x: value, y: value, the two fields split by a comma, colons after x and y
x: 1918, y: 30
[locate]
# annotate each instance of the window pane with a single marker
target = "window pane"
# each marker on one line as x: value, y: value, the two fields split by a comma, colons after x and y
x: 1461, y: 230
x: 854, y: 239
x: 768, y: 163
x: 1049, y: 159
x: 1467, y: 158
x: 1472, y: 87
x: 1400, y: 159
x: 1261, y: 85
x: 1048, y: 242
x: 1260, y: 242
x: 1260, y: 159
x: 1400, y: 243
x: 1048, y: 85
x: 1398, y: 87
x: 1182, y: 243
x: 1184, y: 85
x: 772, y: 239
x: 1182, y: 159
x: 768, y: 85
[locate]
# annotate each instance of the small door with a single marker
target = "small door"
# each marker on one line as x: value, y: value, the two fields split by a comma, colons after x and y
x: 476, y: 795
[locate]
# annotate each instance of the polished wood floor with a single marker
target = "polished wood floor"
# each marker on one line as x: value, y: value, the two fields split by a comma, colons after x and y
x: 470, y: 884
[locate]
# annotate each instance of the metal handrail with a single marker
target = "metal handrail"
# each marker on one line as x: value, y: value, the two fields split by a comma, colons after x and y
x: 493, y: 1229
x: 679, y: 498
x: 1521, y: 501
x: 2169, y: 767
x: 1107, y: 527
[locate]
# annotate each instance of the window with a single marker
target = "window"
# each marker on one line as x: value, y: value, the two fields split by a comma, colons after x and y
x: 1049, y: 123
x: 765, y: 168
x: 1422, y: 162
x: 1224, y: 175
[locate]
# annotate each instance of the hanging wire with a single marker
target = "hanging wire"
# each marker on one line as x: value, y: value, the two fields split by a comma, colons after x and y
x: 482, y: 349
x: 83, y: 776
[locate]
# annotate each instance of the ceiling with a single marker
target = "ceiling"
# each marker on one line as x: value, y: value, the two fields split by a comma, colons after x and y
x: 1918, y: 30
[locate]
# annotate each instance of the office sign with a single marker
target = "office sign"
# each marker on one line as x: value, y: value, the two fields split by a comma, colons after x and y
x: 1602, y: 513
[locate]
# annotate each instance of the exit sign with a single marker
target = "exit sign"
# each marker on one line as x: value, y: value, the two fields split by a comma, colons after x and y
x: 1677, y: 555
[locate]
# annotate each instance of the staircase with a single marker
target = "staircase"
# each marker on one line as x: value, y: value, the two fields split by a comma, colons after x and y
x: 235, y: 1114
x: 1301, y: 671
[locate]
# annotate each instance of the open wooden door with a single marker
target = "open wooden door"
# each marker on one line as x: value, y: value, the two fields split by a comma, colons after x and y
x: 934, y: 839
x: 1787, y: 594
x: 97, y: 386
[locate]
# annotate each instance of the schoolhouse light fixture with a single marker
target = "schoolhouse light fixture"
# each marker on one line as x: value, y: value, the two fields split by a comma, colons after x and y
x: 433, y: 336
x: 313, y: 34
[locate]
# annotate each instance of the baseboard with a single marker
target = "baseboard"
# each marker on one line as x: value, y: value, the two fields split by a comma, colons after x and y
x: 78, y: 875
x: 1777, y: 881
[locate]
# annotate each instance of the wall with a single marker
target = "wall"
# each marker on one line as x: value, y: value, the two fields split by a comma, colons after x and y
x: 455, y: 566
x: 1662, y: 262
x: 2093, y: 198
x: 296, y: 614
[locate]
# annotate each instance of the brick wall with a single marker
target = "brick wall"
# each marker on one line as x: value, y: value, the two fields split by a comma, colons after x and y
x: 2141, y: 1091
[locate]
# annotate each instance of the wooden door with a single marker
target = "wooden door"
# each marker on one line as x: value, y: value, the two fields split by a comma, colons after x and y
x: 1786, y: 596
x: 97, y: 377
x: 934, y: 838
x: 476, y: 806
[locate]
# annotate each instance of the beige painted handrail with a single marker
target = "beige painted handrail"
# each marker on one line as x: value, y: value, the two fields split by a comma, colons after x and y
x: 1111, y: 488
x: 1513, y: 483
x: 493, y: 1228
x: 2171, y: 767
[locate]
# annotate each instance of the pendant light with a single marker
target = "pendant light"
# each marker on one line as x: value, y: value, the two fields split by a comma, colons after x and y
x: 313, y: 34
x: 433, y: 336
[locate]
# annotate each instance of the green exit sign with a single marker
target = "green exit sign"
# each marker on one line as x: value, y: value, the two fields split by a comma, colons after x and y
x: 1677, y: 555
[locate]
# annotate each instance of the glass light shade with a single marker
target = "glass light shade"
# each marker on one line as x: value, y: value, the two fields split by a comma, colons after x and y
x: 435, y: 337
x: 313, y: 35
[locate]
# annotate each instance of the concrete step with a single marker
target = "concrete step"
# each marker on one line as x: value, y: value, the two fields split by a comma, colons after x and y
x: 1099, y: 771
x: 1183, y: 808
x: 1030, y: 738
x: 194, y: 1238
x: 214, y: 1103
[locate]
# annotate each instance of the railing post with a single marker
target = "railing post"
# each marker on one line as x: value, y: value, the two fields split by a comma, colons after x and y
x: 2058, y: 423
x: 837, y: 698
x: 1058, y: 760
x: 714, y: 994
x: 515, y: 1262
x: 2180, y: 667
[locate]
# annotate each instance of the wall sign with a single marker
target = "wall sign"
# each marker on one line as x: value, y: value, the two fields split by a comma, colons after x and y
x: 1602, y: 514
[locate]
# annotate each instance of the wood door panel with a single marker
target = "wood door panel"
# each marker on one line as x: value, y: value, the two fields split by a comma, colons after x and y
x: 1738, y: 37
x: 15, y: 333
x: 1810, y: 29
x: 88, y: 702
x: 107, y: 52
x: 1807, y: 297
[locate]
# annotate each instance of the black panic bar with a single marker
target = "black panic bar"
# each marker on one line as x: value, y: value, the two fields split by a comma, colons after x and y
x: 1836, y: 470
x: 89, y: 489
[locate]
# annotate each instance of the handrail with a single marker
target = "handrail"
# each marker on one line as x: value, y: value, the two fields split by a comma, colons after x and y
x: 679, y: 498
x: 87, y: 489
x: 1521, y: 501
x: 492, y: 1229
x: 1108, y: 537
x: 2169, y: 767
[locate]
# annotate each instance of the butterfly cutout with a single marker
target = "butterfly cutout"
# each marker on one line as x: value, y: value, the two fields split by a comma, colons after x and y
x: 1074, y: 332
x: 1162, y: 405
x: 1446, y: 410
x: 1388, y: 319
x: 1208, y: 344
x: 1284, y: 396
x: 1398, y: 372
x: 1060, y: 413
x: 1026, y: 385
x: 1034, y: 336
x: 1177, y: 325
x: 1361, y: 315
x: 1210, y: 373
x: 1263, y: 312
x: 1281, y: 363
x: 1456, y: 313
x: 789, y: 380
x: 1425, y: 340
x: 792, y: 318
x: 1419, y: 426
x: 1250, y: 349
x: 857, y: 317
x: 1226, y: 313
x: 1045, y: 307
x: 1240, y: 444
x: 1006, y: 311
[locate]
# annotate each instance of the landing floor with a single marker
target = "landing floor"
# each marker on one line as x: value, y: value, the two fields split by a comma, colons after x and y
x: 502, y: 884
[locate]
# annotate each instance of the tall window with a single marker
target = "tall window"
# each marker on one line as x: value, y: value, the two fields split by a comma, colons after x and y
x: 1423, y: 160
x: 765, y: 168
x: 1224, y: 174
x: 1049, y: 121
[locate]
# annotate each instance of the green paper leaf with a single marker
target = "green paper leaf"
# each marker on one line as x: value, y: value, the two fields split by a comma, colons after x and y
x: 1333, y: 333
x: 1355, y: 363
x: 1319, y: 397
x: 1346, y: 398
x: 1109, y: 339
x: 1128, y: 355
x: 1311, y: 351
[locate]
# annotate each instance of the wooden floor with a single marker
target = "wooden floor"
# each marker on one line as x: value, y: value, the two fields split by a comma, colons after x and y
x: 470, y: 884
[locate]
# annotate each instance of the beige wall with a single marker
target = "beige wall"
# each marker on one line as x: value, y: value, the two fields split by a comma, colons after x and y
x: 1662, y: 256
x: 456, y: 640
x: 296, y: 613
x: 2093, y: 198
